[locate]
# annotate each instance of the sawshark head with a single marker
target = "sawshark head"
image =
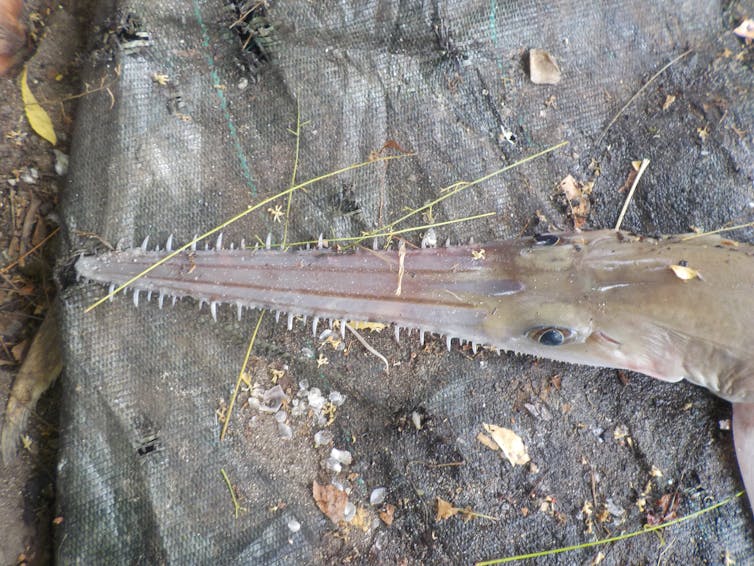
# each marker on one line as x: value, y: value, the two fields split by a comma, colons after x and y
x: 665, y: 308
x: 670, y: 308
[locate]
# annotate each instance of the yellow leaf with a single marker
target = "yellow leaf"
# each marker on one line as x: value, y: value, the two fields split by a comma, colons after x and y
x: 39, y: 120
x: 373, y: 326
x: 685, y: 273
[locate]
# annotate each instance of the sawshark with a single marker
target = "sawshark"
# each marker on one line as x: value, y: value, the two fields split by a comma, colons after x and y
x: 671, y: 307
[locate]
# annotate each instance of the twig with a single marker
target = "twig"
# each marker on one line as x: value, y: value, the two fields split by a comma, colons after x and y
x: 369, y: 347
x: 401, y: 267
x: 236, y: 505
x: 232, y: 402
x: 608, y: 540
x: 638, y: 92
x: 297, y: 134
x: 718, y: 231
x: 642, y: 168
x: 459, y: 186
x: 31, y: 251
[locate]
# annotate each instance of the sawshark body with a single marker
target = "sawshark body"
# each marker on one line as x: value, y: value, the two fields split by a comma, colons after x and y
x: 672, y: 307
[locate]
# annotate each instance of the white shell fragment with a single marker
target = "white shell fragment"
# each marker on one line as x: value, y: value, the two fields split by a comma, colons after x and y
x: 377, y: 497
x: 342, y: 456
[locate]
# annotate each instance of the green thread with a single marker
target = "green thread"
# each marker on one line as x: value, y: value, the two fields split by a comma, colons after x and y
x: 224, y: 103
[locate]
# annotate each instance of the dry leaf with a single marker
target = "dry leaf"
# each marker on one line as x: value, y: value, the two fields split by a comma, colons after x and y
x: 361, y: 519
x: 577, y: 195
x: 373, y: 326
x: 330, y: 500
x: 39, y: 120
x: 746, y: 29
x: 685, y: 273
x: 669, y: 100
x: 487, y: 441
x: 543, y: 69
x: 387, y: 514
x: 510, y: 443
x: 19, y: 350
x: 445, y: 510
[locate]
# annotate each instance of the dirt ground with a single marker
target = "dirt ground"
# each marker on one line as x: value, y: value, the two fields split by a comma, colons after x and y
x: 32, y: 175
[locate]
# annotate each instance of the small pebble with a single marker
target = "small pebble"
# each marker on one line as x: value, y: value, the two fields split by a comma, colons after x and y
x: 61, y: 162
x: 294, y: 525
x: 322, y: 438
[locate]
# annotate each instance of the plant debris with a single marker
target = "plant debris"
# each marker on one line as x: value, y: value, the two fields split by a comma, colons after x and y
x: 387, y: 514
x: 509, y: 442
x: 685, y: 273
x: 445, y: 510
x: 577, y: 195
x: 331, y: 501
x: 38, y: 118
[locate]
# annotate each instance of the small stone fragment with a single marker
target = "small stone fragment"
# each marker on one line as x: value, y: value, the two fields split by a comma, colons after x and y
x: 294, y: 525
x: 543, y: 69
x: 322, y: 437
x: 61, y: 162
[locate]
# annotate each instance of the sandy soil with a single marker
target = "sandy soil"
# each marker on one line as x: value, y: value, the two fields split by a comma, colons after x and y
x: 30, y: 185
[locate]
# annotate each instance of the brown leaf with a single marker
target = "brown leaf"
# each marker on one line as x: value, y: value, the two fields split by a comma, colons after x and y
x: 39, y: 370
x: 387, y: 514
x: 445, y: 510
x: 577, y: 195
x: 330, y: 500
x: 669, y: 100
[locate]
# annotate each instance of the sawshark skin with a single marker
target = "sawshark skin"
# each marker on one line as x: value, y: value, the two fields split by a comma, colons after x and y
x: 604, y: 298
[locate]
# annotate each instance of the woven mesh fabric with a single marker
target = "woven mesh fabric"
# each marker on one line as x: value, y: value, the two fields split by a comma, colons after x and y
x: 140, y: 461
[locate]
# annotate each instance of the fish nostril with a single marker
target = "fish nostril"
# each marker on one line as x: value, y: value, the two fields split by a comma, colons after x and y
x: 546, y: 239
x: 602, y: 337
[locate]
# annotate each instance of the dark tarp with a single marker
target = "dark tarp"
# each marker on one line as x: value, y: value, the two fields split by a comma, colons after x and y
x: 140, y: 461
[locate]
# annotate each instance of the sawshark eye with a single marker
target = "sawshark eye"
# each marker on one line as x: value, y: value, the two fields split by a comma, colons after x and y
x: 550, y: 335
